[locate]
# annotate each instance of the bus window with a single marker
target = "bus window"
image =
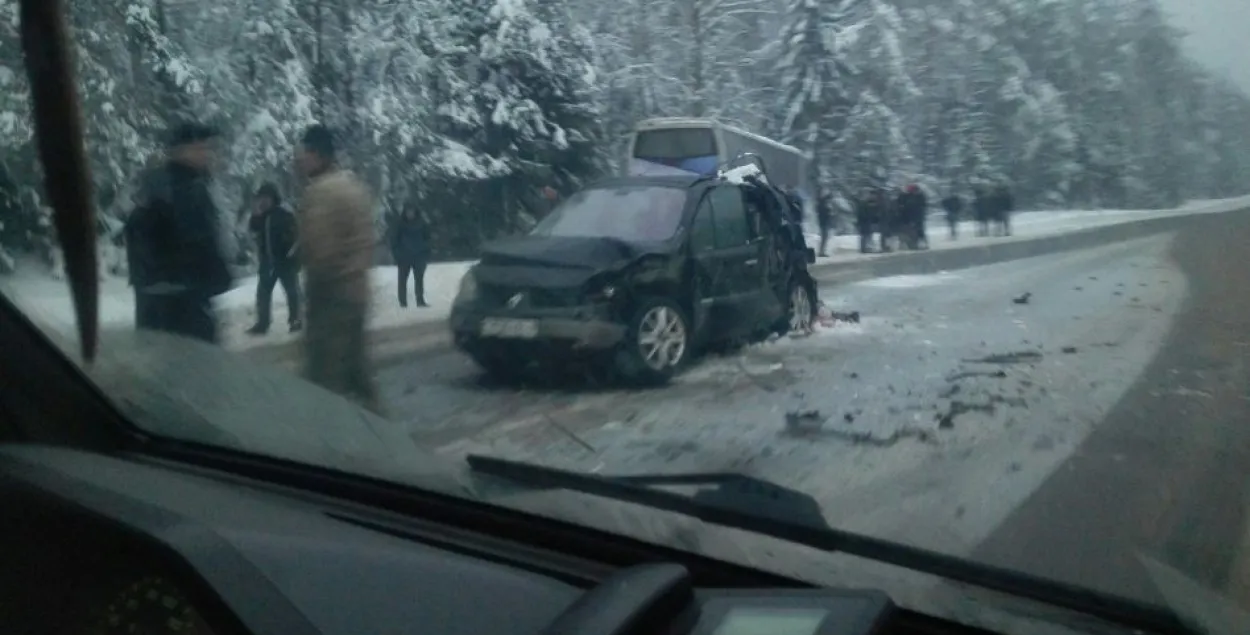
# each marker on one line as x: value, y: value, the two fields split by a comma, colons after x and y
x: 689, y: 149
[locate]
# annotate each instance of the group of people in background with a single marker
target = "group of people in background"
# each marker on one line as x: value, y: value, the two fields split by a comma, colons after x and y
x: 899, y: 215
x: 177, y: 262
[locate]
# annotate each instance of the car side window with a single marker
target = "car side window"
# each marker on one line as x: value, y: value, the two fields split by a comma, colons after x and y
x: 729, y: 214
x: 702, y: 230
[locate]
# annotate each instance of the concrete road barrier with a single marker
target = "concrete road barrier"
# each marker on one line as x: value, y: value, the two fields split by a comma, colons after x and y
x: 395, y: 344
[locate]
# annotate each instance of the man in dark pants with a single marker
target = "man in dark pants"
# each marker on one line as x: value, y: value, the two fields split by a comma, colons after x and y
x: 824, y: 218
x: 411, y: 251
x: 953, y: 205
x: 173, y: 240
x: 913, y: 206
x: 276, y: 233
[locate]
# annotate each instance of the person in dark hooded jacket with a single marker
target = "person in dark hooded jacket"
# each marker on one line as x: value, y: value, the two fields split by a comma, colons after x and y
x: 913, y: 206
x: 277, y: 233
x: 953, y: 205
x: 411, y: 251
x: 173, y: 240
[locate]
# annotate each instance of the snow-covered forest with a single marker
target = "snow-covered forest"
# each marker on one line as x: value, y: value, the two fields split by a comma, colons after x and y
x: 465, y: 109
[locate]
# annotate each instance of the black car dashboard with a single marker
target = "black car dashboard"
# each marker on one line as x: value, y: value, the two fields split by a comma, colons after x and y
x: 98, y: 544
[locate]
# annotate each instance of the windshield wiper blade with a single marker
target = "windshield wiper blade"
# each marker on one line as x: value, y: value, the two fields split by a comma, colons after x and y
x: 735, y: 506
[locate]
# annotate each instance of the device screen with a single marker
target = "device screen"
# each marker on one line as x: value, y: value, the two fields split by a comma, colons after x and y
x: 771, y: 621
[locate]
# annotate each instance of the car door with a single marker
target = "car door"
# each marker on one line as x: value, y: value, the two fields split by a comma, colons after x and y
x: 736, y: 258
x: 707, y: 265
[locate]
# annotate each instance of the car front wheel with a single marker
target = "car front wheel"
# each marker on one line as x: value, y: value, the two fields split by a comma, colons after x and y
x: 802, y: 307
x: 657, y: 344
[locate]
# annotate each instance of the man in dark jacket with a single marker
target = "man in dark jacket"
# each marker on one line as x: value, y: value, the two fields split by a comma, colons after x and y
x: 913, y: 206
x: 412, y: 252
x: 1004, y: 204
x: 953, y: 205
x: 173, y: 240
x: 824, y: 218
x: 276, y: 233
x: 868, y: 217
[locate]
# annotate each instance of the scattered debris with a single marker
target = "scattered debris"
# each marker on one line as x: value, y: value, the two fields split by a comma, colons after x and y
x: 871, y: 440
x: 1021, y: 357
x: 805, y: 419
x: 827, y: 317
x: 1024, y: 299
x: 848, y: 417
x: 1078, y: 288
x: 998, y: 374
x: 950, y: 391
x: 853, y: 375
x: 946, y: 420
x: 1118, y: 293
x: 1190, y: 392
x: 1068, y: 350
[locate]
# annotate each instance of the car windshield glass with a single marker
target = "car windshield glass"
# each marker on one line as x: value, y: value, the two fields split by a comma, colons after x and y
x: 1011, y: 326
x: 645, y: 213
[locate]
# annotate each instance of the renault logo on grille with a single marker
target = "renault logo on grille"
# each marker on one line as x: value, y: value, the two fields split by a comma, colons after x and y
x: 516, y: 300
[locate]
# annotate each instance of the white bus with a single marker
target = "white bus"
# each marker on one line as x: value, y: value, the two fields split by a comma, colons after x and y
x: 701, y: 145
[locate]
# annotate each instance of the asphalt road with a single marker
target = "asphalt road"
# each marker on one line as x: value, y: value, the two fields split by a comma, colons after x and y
x: 1165, y: 472
x: 951, y: 417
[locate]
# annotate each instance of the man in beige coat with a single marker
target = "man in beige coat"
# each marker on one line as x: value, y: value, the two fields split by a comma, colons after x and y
x: 336, y: 240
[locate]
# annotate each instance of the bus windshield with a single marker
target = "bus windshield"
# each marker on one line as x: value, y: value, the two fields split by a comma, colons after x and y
x: 689, y: 149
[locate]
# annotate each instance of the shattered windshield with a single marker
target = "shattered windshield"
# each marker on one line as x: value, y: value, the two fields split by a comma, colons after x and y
x: 1012, y: 326
x: 648, y: 213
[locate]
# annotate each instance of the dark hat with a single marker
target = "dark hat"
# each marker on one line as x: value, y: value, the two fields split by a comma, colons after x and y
x: 190, y: 132
x: 319, y: 139
x: 270, y: 191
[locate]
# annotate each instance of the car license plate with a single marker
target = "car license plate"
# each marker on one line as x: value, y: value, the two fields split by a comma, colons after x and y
x: 508, y: 328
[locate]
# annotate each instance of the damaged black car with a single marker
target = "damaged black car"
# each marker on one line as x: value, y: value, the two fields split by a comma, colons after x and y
x: 637, y: 275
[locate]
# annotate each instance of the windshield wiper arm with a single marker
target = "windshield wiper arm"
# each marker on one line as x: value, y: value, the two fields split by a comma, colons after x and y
x: 726, y: 507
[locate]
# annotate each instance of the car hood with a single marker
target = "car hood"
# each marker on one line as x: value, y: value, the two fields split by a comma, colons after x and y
x: 196, y: 392
x: 558, y: 261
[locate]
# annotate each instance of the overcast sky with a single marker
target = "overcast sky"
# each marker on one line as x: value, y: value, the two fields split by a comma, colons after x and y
x: 1218, y: 34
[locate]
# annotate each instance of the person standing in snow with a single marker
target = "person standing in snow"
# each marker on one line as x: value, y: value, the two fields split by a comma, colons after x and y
x: 276, y: 232
x: 1004, y: 204
x: 173, y: 247
x: 336, y: 242
x: 913, y: 206
x: 867, y: 218
x: 953, y: 205
x: 824, y: 218
x: 411, y: 251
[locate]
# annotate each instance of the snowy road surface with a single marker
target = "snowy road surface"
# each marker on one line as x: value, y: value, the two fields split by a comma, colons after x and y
x: 949, y: 403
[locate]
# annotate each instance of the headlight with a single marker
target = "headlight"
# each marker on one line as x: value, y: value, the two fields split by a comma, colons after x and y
x: 601, y: 292
x: 468, y: 288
